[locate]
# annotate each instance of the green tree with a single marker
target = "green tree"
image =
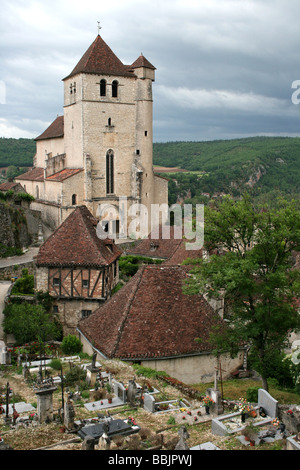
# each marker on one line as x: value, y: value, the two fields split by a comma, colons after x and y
x: 254, y: 275
x: 29, y: 322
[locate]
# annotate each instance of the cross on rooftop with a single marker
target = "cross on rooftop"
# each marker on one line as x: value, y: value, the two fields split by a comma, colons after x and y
x: 99, y: 27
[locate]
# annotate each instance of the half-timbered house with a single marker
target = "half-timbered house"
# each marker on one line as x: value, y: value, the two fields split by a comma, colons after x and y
x: 77, y: 268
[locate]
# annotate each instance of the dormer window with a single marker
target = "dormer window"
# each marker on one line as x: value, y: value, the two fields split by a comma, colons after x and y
x: 114, y: 89
x: 102, y: 87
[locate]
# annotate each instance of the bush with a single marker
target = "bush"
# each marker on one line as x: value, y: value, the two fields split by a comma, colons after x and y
x: 252, y: 394
x: 55, y: 364
x: 75, y: 375
x: 71, y: 345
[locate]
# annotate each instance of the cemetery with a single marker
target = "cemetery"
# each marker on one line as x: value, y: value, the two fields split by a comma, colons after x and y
x: 75, y: 402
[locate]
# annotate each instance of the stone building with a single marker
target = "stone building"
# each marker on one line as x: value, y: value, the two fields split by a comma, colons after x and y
x: 101, y: 148
x: 78, y: 269
x: 151, y: 321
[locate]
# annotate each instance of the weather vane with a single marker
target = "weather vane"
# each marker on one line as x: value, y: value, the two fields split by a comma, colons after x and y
x: 99, y: 27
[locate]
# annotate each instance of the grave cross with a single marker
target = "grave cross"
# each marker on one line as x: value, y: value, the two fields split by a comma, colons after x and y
x: 219, y: 371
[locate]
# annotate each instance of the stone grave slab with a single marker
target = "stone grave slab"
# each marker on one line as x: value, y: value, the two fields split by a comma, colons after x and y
x: 96, y: 405
x: 205, y: 446
x: 116, y: 427
x: 20, y: 407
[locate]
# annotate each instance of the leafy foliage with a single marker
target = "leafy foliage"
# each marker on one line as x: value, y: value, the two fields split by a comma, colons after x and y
x: 230, y: 166
x: 16, y: 152
x: 253, y: 274
x: 71, y: 345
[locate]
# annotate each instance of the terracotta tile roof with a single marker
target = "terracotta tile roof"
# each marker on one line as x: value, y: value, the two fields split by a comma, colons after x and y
x: 100, y: 59
x: 150, y: 317
x: 36, y: 174
x: 173, y: 250
x: 156, y: 247
x: 181, y: 254
x: 7, y: 186
x: 55, y: 130
x: 142, y: 62
x: 75, y: 243
x: 64, y: 174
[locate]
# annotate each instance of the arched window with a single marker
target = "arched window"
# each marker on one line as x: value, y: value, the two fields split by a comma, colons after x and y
x: 110, y: 172
x: 74, y: 199
x: 102, y: 87
x: 114, y: 89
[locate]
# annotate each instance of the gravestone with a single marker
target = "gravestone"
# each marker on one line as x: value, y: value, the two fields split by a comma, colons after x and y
x: 4, y: 354
x: 149, y: 403
x: 45, y: 403
x: 69, y: 415
x: 131, y: 392
x: 183, y: 436
x: 111, y: 428
x: 120, y: 391
x: 268, y: 403
x: 92, y: 371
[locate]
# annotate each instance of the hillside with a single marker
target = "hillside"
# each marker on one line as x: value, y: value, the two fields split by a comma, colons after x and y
x: 17, y: 152
x: 264, y: 166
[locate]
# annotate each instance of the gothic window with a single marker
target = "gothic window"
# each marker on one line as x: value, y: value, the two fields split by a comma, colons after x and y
x: 110, y: 172
x: 74, y: 199
x: 114, y: 89
x: 102, y: 87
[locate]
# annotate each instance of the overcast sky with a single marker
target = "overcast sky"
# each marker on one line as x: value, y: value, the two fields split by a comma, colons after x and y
x: 225, y: 68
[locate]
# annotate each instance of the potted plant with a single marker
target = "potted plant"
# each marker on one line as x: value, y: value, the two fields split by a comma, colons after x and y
x: 109, y: 398
x: 208, y: 402
x: 250, y: 433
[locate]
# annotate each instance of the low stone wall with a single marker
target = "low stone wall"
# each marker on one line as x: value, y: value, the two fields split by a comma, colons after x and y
x: 9, y: 272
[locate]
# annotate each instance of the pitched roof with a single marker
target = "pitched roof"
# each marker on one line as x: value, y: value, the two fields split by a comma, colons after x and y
x: 35, y: 174
x: 75, y: 243
x: 171, y: 249
x: 100, y: 59
x: 151, y: 317
x: 55, y: 130
x: 141, y: 61
x: 7, y: 186
x: 64, y: 174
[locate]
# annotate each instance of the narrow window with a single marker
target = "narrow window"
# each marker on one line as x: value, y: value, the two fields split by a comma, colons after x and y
x: 37, y: 192
x: 102, y: 87
x: 56, y: 281
x: 85, y: 313
x: 55, y: 308
x: 110, y: 172
x: 109, y: 121
x: 146, y: 133
x: 74, y: 199
x: 85, y: 283
x: 114, y: 91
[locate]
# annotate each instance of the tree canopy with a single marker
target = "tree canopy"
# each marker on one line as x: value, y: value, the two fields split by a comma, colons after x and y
x: 252, y: 269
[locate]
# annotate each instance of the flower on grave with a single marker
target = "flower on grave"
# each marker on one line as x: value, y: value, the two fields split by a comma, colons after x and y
x: 243, y: 406
x: 290, y: 412
x: 208, y: 401
x: 189, y: 413
x: 183, y: 417
x: 131, y: 421
x: 195, y: 418
x: 275, y: 422
x: 182, y: 410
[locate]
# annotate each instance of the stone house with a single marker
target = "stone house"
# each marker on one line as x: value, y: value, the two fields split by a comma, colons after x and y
x: 78, y: 269
x: 151, y: 321
x: 100, y: 149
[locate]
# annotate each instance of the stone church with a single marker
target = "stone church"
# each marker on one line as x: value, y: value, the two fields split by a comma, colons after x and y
x: 100, y: 150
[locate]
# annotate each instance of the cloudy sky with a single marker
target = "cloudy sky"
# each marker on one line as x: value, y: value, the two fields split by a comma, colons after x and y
x: 225, y: 68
